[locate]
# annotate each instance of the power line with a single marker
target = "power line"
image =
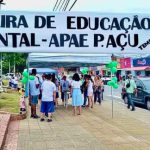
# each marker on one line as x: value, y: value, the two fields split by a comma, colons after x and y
x: 62, y: 5
x: 55, y: 5
x: 58, y: 4
x: 66, y: 5
x: 72, y: 5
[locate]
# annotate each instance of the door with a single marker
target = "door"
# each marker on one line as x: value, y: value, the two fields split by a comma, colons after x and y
x: 140, y: 93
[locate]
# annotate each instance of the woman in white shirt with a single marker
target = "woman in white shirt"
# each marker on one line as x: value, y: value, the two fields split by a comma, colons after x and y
x: 90, y: 91
x: 77, y: 100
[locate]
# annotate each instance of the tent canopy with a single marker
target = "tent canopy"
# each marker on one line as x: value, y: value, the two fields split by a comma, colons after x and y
x: 46, y: 60
x: 43, y: 70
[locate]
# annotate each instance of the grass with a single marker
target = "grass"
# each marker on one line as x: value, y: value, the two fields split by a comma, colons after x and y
x: 9, y: 102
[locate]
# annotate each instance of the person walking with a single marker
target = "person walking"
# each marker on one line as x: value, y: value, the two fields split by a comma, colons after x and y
x: 77, y: 100
x: 130, y: 87
x: 48, y: 98
x: 34, y: 91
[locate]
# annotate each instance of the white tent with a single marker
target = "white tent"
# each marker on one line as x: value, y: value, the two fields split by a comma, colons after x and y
x: 44, y: 60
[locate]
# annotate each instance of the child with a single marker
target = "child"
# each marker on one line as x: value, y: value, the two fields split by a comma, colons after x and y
x: 22, y: 100
x: 48, y: 98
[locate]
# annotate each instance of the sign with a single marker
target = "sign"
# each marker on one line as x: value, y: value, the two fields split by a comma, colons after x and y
x: 125, y: 63
x: 74, y: 32
x: 141, y: 62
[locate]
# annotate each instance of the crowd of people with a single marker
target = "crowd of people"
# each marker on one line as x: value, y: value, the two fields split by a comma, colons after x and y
x: 84, y: 90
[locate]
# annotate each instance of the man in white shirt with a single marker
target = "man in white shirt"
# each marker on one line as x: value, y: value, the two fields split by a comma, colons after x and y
x: 48, y: 97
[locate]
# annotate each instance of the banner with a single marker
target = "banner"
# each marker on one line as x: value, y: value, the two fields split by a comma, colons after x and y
x: 74, y: 32
x: 141, y: 62
x: 125, y: 63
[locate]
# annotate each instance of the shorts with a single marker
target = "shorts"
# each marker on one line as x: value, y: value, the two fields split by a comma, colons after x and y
x: 34, y: 99
x: 47, y: 107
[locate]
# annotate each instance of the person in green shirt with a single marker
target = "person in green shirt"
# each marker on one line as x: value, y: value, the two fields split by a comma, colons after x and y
x: 130, y: 87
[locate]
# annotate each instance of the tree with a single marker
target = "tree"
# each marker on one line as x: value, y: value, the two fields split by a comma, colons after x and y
x: 14, y: 62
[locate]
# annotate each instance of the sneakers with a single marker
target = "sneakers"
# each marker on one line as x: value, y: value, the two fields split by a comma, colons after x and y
x: 49, y: 120
x: 42, y: 119
x: 36, y: 117
x: 133, y: 109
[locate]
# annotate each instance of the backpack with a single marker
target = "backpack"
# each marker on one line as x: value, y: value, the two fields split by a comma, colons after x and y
x: 128, y: 84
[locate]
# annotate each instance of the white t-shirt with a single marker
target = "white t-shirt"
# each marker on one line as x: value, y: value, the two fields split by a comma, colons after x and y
x: 15, y: 81
x: 76, y: 84
x: 48, y: 88
x: 90, y: 87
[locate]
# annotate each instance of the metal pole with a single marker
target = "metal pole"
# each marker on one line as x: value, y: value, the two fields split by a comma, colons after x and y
x: 1, y: 66
x: 28, y: 66
x: 112, y: 99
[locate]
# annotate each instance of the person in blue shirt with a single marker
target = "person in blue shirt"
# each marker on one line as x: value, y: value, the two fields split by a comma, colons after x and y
x: 34, y: 91
x: 64, y: 89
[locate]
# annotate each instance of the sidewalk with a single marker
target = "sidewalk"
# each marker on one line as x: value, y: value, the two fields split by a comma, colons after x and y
x: 93, y: 130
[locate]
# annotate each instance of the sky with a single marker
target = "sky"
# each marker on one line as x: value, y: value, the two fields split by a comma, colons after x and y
x: 114, y: 6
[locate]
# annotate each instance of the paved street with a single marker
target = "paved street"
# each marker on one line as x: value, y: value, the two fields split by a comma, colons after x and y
x: 93, y: 130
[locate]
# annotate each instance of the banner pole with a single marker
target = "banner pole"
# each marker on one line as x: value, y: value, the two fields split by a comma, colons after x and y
x: 1, y: 65
x: 112, y: 99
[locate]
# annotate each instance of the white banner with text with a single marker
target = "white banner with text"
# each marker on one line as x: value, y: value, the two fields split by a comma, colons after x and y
x: 74, y: 32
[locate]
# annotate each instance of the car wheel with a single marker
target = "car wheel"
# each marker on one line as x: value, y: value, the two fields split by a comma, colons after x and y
x: 125, y: 100
x: 148, y: 104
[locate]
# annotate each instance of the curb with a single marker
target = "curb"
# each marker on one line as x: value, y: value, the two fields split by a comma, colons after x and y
x: 15, y: 116
x: 12, y: 117
x: 5, y: 134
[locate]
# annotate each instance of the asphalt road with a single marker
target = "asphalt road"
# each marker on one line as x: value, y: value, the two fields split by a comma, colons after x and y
x: 117, y: 96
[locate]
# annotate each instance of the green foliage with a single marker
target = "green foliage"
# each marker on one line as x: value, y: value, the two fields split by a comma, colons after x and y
x: 17, y: 59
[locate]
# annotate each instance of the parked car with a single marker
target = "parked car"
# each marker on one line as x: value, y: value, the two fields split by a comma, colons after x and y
x: 106, y: 79
x: 143, y: 92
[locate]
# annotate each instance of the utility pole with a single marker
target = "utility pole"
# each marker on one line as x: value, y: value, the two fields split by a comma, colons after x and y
x: 1, y: 65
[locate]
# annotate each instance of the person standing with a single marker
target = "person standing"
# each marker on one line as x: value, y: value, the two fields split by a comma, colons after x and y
x: 15, y: 82
x: 130, y: 87
x: 34, y: 90
x: 97, y: 89
x: 64, y: 90
x: 55, y: 81
x: 77, y: 100
x: 90, y: 91
x: 84, y: 90
x: 48, y: 98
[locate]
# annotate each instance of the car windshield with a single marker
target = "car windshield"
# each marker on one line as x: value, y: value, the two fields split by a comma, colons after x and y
x: 147, y: 84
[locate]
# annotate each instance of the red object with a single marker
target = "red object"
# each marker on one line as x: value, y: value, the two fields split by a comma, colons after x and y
x: 138, y: 68
x: 125, y: 63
